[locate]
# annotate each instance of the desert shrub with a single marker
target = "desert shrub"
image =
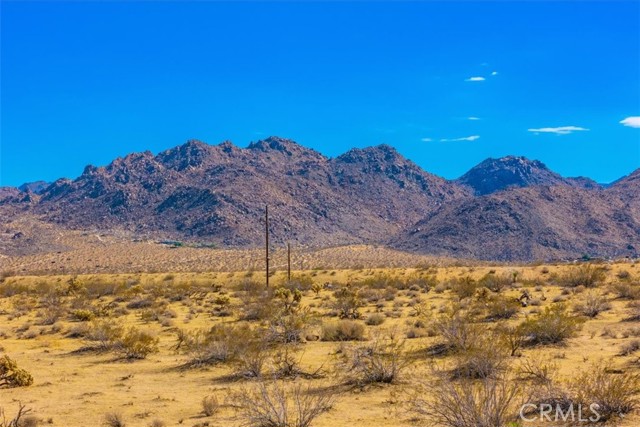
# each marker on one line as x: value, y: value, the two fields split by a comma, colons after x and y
x: 457, y: 331
x: 494, y: 282
x: 289, y: 326
x: 484, y: 360
x: 615, y: 394
x: 585, y: 275
x: 464, y: 287
x: 623, y: 275
x: 593, y: 305
x: 13, y: 376
x: 210, y: 405
x: 274, y: 405
x: 222, y: 343
x: 300, y: 282
x: 494, y: 401
x: 250, y: 361
x: 629, y: 291
x: 98, y: 287
x: 380, y: 361
x: 105, y: 334
x: 501, y: 308
x: 375, y: 319
x: 139, y: 302
x: 630, y: 348
x: 537, y: 370
x: 552, y: 326
x: 137, y: 344
x: 347, y: 302
x: 342, y: 330
x: 82, y: 315
x: 21, y: 419
x: 513, y: 338
x: 114, y: 419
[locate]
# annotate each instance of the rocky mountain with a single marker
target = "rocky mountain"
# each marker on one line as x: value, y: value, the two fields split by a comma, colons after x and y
x: 503, y: 209
x: 36, y: 187
x: 494, y: 175
x: 218, y: 193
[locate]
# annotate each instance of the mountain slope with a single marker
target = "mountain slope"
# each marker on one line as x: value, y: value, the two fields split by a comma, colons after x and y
x: 541, y: 222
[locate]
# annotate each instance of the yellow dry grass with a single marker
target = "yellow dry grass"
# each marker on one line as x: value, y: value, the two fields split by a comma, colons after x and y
x: 78, y: 389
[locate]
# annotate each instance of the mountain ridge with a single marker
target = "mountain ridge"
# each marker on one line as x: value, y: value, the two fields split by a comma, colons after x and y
x: 365, y: 195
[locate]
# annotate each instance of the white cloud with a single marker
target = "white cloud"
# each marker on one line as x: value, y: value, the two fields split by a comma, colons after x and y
x: 561, y: 130
x: 475, y: 79
x: 473, y: 118
x: 495, y: 73
x: 466, y: 138
x: 426, y: 140
x: 632, y: 122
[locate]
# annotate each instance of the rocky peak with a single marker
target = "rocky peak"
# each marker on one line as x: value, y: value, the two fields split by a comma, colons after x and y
x: 36, y: 187
x: 493, y: 175
x: 191, y: 154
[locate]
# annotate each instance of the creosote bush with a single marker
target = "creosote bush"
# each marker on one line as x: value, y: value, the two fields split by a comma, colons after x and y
x: 552, y: 326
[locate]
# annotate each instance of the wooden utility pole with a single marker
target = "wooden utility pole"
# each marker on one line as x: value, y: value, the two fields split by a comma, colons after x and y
x: 288, y: 261
x: 266, y: 247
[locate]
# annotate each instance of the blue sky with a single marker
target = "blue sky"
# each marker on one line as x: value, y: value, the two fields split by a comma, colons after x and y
x: 85, y: 82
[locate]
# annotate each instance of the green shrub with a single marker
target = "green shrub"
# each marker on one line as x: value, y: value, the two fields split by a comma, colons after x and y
x: 82, y: 315
x: 552, y: 326
x: 464, y: 287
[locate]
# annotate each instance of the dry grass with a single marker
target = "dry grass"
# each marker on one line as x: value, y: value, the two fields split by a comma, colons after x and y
x: 208, y: 335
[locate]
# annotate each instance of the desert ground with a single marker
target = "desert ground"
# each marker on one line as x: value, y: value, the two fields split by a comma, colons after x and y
x: 358, y: 346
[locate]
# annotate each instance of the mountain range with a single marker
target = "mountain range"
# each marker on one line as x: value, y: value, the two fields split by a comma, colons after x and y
x: 504, y: 209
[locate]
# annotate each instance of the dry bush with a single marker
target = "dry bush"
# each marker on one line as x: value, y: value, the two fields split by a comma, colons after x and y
x: 464, y: 287
x: 552, y: 326
x: 616, y: 394
x: 114, y: 419
x: 222, y: 343
x: 494, y: 401
x: 82, y: 315
x: 499, y: 308
x: 485, y: 359
x: 630, y: 348
x: 210, y: 405
x: 585, y: 275
x: 593, y: 305
x: 457, y: 331
x: 347, y: 302
x: 274, y: 405
x: 380, y: 361
x: 19, y: 420
x: 375, y: 319
x: 104, y: 335
x: 495, y: 283
x: 629, y: 291
x: 13, y: 376
x: 537, y: 370
x: 137, y: 344
x: 342, y: 330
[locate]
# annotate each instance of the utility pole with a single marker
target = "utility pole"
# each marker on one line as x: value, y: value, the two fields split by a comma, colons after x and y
x: 288, y: 261
x: 266, y: 248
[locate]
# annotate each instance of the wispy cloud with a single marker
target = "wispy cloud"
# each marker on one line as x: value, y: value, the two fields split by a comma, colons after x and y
x: 561, y: 130
x: 495, y: 73
x: 466, y: 138
x: 632, y: 122
x: 473, y: 118
x: 475, y: 79
x: 426, y: 140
